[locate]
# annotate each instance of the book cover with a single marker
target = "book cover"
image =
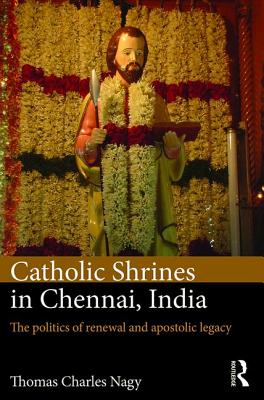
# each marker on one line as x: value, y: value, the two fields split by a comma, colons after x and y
x: 174, y: 173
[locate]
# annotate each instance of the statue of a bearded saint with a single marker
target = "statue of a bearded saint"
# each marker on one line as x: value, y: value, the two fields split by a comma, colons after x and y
x: 131, y: 198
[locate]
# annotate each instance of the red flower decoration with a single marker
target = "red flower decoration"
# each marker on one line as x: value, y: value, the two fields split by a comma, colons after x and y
x: 84, y: 87
x: 141, y: 135
x: 32, y: 74
x: 52, y: 83
x: 192, y: 89
x: 171, y: 93
x: 160, y: 88
x: 200, y: 90
x: 116, y: 135
x: 182, y: 90
x: 219, y: 91
x: 51, y: 247
x: 13, y: 167
x: 71, y: 83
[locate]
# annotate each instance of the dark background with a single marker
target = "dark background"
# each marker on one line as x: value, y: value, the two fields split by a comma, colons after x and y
x: 169, y: 364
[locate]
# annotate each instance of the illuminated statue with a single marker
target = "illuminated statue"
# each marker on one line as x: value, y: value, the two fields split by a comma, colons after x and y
x: 130, y: 193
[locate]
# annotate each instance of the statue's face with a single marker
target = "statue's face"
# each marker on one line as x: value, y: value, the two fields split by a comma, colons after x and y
x: 129, y: 57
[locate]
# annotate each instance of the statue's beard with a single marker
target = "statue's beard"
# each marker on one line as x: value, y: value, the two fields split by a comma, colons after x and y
x: 131, y: 73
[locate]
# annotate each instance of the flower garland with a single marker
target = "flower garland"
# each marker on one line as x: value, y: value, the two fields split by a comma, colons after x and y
x: 220, y: 120
x: 38, y: 115
x: 70, y: 54
x: 142, y: 170
x: 49, y: 44
x: 201, y: 147
x: 30, y: 218
x: 26, y: 15
x: 153, y: 24
x: 170, y: 92
x: 199, y: 192
x: 112, y: 109
x: 89, y: 41
x: 220, y: 218
x: 51, y: 54
x: 204, y: 91
x: 141, y: 104
x: 143, y: 183
x: 216, y: 49
x: 115, y: 194
x: 68, y: 22
x: 55, y: 206
x: 50, y: 247
x: 130, y: 219
x: 138, y: 17
x: 207, y: 207
x: 181, y: 202
x: 75, y: 198
x: 176, y: 65
x: 4, y: 50
x: 196, y: 87
x: 157, y: 40
x: 12, y: 167
x: 109, y: 17
x: 197, y: 47
x: 48, y: 123
x: 199, y: 42
x: 73, y: 44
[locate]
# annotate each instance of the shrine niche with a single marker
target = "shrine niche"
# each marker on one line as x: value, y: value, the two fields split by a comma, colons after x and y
x: 204, y: 61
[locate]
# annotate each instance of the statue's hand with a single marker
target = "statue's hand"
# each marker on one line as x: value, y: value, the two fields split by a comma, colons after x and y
x: 173, y: 144
x: 97, y: 138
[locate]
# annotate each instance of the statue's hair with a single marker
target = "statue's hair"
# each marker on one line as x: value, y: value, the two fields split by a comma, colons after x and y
x: 113, y: 45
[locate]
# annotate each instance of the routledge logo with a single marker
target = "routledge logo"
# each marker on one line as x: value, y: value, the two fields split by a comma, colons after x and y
x: 238, y: 372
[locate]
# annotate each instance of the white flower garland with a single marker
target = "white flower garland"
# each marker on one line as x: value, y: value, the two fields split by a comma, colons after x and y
x: 109, y: 20
x: 64, y: 40
x: 138, y: 17
x: 141, y: 104
x: 197, y: 47
x: 115, y: 192
x: 143, y: 180
x: 26, y: 15
x: 216, y: 49
x: 220, y: 119
x: 201, y: 147
x: 176, y: 64
x: 157, y: 43
x: 89, y: 41
x: 48, y: 30
x: 129, y: 211
x: 40, y: 212
x: 43, y: 118
x: 113, y: 100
